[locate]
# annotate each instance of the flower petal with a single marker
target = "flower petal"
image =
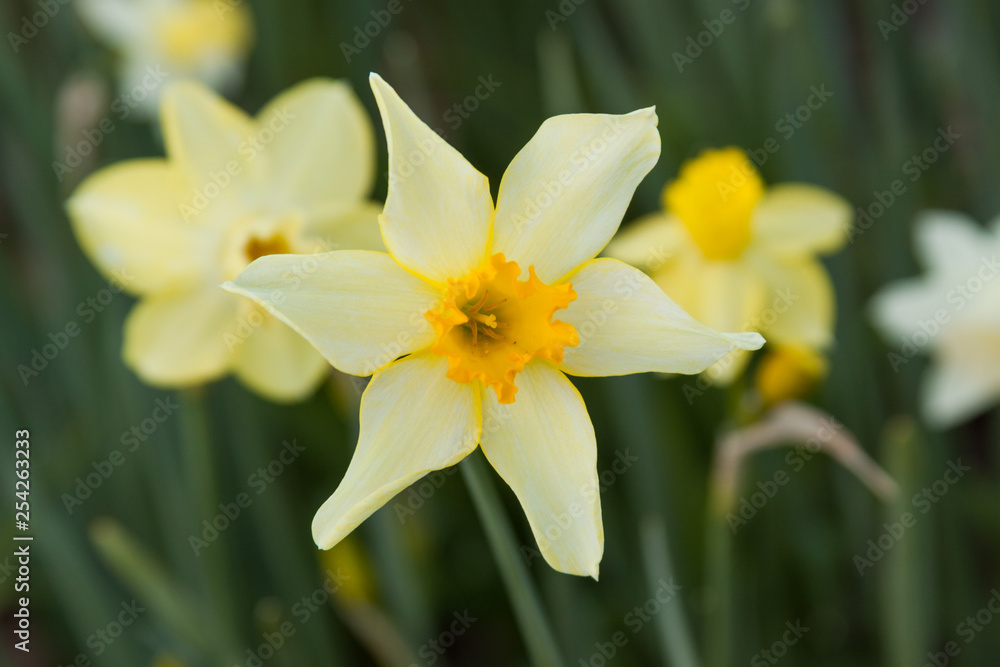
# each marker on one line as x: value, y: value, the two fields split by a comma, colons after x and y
x: 322, y: 157
x: 898, y: 308
x: 627, y: 324
x: 801, y: 304
x: 951, y: 244
x: 650, y: 242
x: 543, y: 446
x: 438, y: 213
x: 413, y: 420
x: 952, y: 394
x: 564, y: 194
x: 127, y: 221
x: 358, y: 308
x: 203, y: 133
x: 355, y: 228
x: 179, y: 339
x: 276, y: 362
x: 796, y: 218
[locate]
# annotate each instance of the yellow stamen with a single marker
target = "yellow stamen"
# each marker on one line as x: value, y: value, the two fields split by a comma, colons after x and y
x: 274, y: 245
x: 493, y: 347
x: 714, y: 198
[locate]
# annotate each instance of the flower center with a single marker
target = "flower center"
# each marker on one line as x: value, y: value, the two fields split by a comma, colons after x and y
x: 193, y: 30
x: 257, y: 247
x: 714, y: 197
x: 490, y: 324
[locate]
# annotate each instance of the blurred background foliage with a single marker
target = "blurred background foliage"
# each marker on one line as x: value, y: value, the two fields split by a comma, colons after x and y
x: 411, y: 572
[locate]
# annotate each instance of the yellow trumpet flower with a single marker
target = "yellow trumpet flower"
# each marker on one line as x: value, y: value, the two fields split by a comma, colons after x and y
x: 457, y: 321
x: 232, y: 188
x: 788, y: 372
x: 205, y: 40
x: 742, y: 257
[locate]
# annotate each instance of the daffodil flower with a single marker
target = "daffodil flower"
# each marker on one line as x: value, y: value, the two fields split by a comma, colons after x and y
x: 951, y: 313
x: 206, y: 40
x: 457, y: 321
x: 739, y: 256
x: 232, y: 188
x: 788, y: 372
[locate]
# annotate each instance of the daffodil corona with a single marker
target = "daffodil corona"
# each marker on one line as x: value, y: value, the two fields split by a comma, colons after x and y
x: 471, y: 319
x: 232, y: 189
x: 740, y: 256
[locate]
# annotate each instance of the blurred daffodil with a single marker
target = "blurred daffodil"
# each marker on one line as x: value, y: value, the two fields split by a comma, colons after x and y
x: 739, y: 256
x: 788, y: 372
x: 952, y: 312
x: 207, y: 40
x: 232, y: 188
x: 456, y: 322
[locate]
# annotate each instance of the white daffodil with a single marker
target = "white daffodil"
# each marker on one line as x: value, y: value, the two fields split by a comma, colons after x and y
x: 952, y: 312
x: 740, y: 256
x: 231, y: 189
x: 456, y: 322
x: 206, y: 40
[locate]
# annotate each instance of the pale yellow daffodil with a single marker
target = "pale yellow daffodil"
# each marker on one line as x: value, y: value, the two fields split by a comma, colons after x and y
x: 742, y: 257
x: 951, y: 313
x: 205, y: 40
x: 232, y: 188
x: 456, y: 321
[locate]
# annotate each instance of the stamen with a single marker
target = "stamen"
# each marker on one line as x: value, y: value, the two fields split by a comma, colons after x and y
x: 495, y: 305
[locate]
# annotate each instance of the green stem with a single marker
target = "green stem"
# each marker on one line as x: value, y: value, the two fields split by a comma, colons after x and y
x: 528, y: 610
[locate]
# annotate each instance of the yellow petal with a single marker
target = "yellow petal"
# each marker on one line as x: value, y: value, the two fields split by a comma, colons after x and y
x: 358, y: 308
x: 413, y: 420
x: 355, y: 228
x: 203, y: 133
x: 801, y: 304
x: 796, y: 218
x: 321, y: 157
x: 543, y: 446
x: 626, y: 324
x: 564, y: 194
x: 274, y: 360
x: 179, y: 339
x: 127, y: 221
x: 438, y: 211
x: 650, y: 242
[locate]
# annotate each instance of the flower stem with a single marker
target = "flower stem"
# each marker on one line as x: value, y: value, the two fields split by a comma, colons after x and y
x: 531, y: 619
